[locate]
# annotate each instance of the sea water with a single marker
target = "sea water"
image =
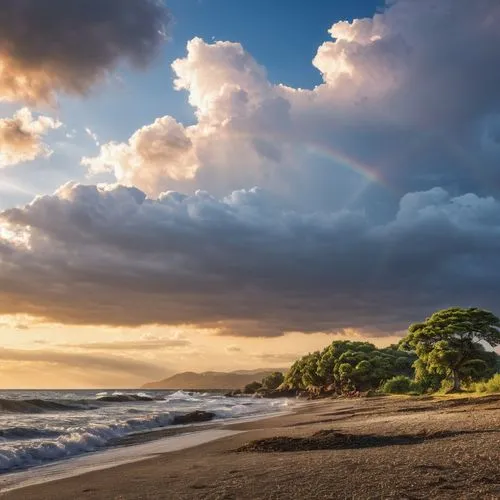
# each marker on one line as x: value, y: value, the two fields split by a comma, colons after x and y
x: 38, y: 427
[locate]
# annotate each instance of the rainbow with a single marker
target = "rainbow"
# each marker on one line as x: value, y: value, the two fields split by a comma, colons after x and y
x: 371, y: 174
x: 315, y: 148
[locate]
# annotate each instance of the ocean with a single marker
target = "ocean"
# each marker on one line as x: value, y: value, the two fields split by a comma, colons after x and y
x: 39, y: 427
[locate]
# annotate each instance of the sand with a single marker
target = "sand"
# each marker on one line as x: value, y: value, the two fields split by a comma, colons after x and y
x: 374, y: 448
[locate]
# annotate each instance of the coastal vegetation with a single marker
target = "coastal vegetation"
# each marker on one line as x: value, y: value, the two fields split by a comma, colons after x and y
x: 345, y: 366
x: 450, y: 351
x: 451, y: 343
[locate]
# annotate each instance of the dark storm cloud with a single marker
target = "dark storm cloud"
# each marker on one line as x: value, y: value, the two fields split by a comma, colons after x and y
x: 90, y: 255
x: 68, y: 45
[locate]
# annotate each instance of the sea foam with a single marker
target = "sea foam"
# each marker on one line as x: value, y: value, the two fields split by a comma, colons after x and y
x: 35, y: 431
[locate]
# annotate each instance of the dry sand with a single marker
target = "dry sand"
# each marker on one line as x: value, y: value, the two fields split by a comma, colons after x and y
x: 376, y: 448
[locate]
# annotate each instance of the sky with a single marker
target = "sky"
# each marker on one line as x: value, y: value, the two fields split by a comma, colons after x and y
x: 219, y: 185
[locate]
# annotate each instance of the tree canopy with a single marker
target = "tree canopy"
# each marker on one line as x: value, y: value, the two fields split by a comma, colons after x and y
x: 346, y: 366
x: 451, y: 343
x: 273, y: 381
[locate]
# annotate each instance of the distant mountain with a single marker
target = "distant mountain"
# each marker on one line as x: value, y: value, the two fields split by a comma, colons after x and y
x: 211, y: 380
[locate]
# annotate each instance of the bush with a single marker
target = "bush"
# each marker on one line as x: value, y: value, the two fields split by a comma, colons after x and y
x: 400, y: 385
x: 446, y: 386
x: 252, y: 388
x: 491, y: 385
x: 273, y: 381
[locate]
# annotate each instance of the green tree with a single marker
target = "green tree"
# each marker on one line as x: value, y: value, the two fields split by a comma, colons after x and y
x: 345, y: 366
x: 273, y: 381
x: 428, y: 381
x: 450, y: 343
x: 252, y: 388
x: 293, y: 378
x: 310, y: 375
x: 399, y: 385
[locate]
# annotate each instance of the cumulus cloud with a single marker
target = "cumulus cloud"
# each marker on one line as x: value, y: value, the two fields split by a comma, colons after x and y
x: 154, y: 155
x: 243, y: 264
x: 350, y: 230
x: 21, y: 137
x: 68, y: 46
x: 409, y: 100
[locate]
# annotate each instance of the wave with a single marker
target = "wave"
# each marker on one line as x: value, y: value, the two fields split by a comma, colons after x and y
x: 74, y: 441
x: 42, y: 405
x: 27, y: 433
x: 34, y: 446
x: 183, y: 397
x: 118, y: 397
x: 51, y: 405
x: 24, y: 445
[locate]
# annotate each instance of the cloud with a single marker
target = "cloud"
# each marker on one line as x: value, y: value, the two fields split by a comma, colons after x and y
x: 18, y: 326
x: 112, y: 364
x: 244, y: 264
x: 378, y: 203
x: 231, y: 349
x: 162, y: 150
x: 145, y: 344
x: 287, y: 358
x: 15, y: 322
x: 21, y: 137
x: 69, y: 46
x: 397, y: 111
x: 92, y: 135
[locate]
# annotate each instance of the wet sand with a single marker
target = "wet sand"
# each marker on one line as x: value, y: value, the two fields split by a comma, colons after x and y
x: 391, y: 448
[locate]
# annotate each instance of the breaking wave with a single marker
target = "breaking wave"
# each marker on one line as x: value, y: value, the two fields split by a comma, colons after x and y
x: 74, y: 441
x: 26, y: 433
x: 34, y: 431
x: 42, y: 405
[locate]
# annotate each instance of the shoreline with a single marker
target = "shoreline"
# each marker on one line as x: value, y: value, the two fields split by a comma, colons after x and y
x: 391, y: 448
x: 108, y: 459
x: 129, y: 449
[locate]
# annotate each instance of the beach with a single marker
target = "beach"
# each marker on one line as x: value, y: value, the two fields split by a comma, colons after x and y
x: 398, y: 448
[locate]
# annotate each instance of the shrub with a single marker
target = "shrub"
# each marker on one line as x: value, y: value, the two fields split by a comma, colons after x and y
x: 252, y: 388
x: 399, y: 385
x: 446, y: 386
x: 273, y: 381
x: 491, y: 385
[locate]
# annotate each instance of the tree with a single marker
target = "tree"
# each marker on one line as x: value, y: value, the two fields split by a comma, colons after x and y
x: 273, y: 381
x: 345, y: 366
x: 310, y: 376
x: 426, y: 380
x: 451, y: 343
x: 252, y: 388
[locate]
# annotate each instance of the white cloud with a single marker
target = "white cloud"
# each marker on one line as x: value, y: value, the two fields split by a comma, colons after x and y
x: 92, y: 135
x: 154, y: 154
x: 21, y: 137
x: 397, y: 108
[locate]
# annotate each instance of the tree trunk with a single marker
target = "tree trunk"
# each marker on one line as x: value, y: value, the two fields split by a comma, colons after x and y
x: 456, y: 382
